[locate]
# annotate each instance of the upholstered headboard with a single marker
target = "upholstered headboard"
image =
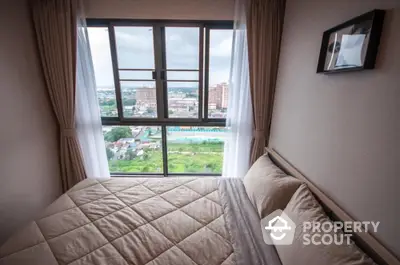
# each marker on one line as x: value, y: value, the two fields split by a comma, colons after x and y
x: 366, y: 241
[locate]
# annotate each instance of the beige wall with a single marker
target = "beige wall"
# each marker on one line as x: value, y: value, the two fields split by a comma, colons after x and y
x: 342, y: 130
x: 161, y: 9
x: 29, y: 171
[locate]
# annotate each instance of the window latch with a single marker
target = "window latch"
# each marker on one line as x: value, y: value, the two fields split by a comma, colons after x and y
x: 162, y: 76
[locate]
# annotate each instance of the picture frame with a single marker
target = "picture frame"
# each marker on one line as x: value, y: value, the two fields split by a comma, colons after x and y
x: 352, y: 45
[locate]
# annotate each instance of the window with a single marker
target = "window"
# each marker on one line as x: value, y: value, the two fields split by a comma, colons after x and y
x: 163, y: 93
x: 103, y: 70
x: 220, y: 64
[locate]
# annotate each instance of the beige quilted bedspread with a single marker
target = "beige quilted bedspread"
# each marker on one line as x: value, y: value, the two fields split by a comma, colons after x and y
x: 152, y: 221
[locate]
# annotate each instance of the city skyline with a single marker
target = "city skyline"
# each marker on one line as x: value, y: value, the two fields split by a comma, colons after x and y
x: 142, y: 102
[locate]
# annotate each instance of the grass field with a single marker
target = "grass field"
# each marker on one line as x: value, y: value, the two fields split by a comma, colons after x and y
x: 182, y: 158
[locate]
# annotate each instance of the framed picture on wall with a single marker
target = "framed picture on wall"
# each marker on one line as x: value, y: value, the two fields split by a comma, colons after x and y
x: 352, y: 45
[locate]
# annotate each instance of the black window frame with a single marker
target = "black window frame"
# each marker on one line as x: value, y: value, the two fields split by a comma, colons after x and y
x: 159, y: 74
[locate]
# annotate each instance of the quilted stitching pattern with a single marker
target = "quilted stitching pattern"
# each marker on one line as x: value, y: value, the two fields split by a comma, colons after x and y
x: 129, y: 221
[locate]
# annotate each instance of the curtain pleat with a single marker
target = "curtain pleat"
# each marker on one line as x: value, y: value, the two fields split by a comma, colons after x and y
x: 87, y: 110
x: 239, y: 114
x: 55, y: 24
x: 264, y: 30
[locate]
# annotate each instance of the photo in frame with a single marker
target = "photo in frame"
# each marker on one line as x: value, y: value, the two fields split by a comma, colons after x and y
x: 352, y: 45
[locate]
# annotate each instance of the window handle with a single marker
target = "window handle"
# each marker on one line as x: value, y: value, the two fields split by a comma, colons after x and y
x: 154, y: 75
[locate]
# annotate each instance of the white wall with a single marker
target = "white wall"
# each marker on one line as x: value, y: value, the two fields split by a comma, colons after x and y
x: 29, y: 163
x: 161, y: 9
x: 342, y: 130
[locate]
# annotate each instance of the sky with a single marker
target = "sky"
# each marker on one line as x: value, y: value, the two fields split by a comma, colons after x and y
x: 135, y: 50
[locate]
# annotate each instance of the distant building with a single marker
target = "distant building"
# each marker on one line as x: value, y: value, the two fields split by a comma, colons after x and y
x: 126, y: 140
x: 218, y: 96
x: 182, y: 102
x: 225, y: 93
x: 212, y: 105
x: 146, y: 96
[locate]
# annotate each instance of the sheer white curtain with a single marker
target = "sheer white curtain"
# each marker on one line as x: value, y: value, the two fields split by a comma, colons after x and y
x: 88, y: 120
x: 239, y: 120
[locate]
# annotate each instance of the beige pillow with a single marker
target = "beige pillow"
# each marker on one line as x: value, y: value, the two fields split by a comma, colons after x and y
x: 303, y: 207
x: 268, y: 187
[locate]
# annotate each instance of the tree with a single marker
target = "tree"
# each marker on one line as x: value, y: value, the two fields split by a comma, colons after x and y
x: 195, y: 148
x: 110, y: 153
x: 117, y: 133
x: 130, y: 155
x: 129, y: 102
x: 191, y: 95
x: 149, y: 110
x: 109, y: 102
x: 212, y: 166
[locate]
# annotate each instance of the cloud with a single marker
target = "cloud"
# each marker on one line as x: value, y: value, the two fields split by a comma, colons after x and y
x: 220, y: 55
x: 101, y: 55
x: 222, y: 49
x: 182, y: 48
x: 135, y: 49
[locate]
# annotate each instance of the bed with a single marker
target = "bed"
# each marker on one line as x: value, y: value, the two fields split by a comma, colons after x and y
x: 182, y: 221
x: 154, y: 221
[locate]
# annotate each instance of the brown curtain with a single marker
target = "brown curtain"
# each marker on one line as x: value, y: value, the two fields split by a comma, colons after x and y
x: 55, y: 23
x: 264, y: 30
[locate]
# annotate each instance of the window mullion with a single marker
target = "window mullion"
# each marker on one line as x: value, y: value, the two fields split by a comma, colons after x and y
x: 164, y: 149
x: 201, y: 71
x: 158, y: 57
x: 159, y: 54
x: 114, y: 60
x: 206, y: 71
x: 163, y: 72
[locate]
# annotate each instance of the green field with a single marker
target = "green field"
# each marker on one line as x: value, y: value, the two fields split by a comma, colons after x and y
x: 182, y: 158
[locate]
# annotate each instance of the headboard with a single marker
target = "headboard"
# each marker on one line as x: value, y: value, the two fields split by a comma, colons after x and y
x: 367, y: 242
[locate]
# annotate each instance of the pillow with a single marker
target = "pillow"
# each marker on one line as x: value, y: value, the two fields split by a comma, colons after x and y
x: 268, y: 187
x: 303, y: 207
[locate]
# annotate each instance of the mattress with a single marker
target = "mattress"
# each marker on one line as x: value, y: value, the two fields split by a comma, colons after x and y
x: 153, y: 221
